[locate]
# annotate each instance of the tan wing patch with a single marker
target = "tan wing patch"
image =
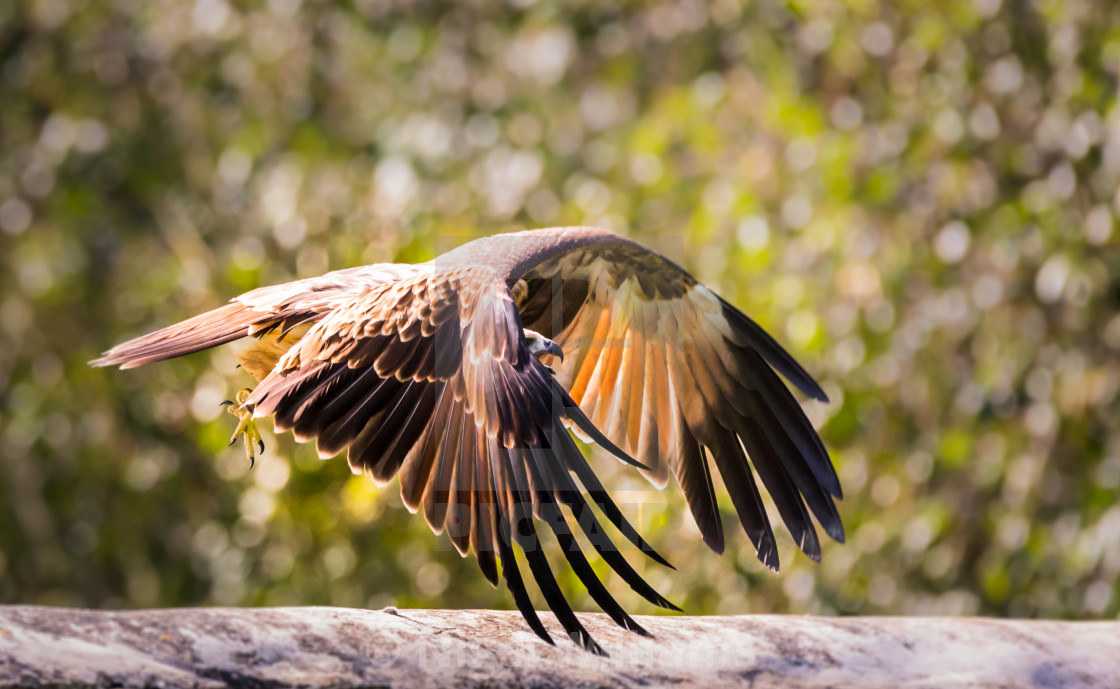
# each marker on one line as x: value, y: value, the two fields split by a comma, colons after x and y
x: 626, y: 349
x: 262, y: 353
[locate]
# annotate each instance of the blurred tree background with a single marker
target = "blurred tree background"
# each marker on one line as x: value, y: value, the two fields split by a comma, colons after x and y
x: 918, y: 199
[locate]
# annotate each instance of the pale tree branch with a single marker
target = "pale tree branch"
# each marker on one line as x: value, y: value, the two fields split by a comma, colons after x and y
x: 332, y: 647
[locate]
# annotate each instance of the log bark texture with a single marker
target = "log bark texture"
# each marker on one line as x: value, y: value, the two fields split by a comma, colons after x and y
x: 331, y: 647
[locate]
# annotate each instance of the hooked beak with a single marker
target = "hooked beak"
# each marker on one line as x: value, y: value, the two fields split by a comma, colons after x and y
x: 553, y: 349
x: 539, y: 344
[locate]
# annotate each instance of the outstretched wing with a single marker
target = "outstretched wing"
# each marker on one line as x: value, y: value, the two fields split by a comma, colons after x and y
x: 268, y: 312
x: 430, y: 379
x: 671, y: 373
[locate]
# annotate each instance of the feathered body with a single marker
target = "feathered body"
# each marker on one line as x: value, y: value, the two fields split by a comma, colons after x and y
x: 424, y: 372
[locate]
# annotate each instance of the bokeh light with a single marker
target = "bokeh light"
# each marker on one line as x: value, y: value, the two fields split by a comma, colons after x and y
x: 918, y: 199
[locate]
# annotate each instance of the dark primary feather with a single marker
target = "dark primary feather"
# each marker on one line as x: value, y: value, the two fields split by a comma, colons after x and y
x: 695, y: 478
x: 525, y: 532
x: 593, y: 530
x: 544, y: 474
x: 761, y: 342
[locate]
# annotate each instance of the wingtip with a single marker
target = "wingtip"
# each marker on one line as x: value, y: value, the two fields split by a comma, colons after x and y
x: 714, y: 542
x: 587, y: 643
x: 768, y: 556
x: 105, y: 360
x: 578, y: 419
x: 656, y: 557
x: 809, y: 386
x: 638, y: 629
x: 637, y: 463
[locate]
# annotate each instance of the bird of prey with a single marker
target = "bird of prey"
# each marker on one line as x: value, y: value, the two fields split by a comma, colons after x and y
x: 463, y: 376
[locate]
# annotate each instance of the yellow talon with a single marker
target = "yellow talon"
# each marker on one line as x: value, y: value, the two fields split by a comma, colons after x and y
x: 246, y: 426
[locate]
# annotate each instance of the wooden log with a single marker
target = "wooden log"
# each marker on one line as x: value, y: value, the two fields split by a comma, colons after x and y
x: 332, y: 647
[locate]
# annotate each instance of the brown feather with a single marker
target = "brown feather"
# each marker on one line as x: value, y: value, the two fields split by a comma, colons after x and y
x: 462, y: 485
x: 437, y: 494
x: 418, y: 465
x: 589, y: 362
x: 482, y: 532
x: 224, y: 324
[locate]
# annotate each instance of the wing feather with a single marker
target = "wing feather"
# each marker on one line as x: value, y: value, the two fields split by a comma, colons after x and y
x: 648, y: 438
x: 525, y: 533
x: 630, y: 408
x: 418, y: 465
x: 256, y: 313
x: 483, y: 535
x: 437, y: 497
x: 732, y: 463
x: 595, y: 347
x: 217, y: 327
x: 695, y: 478
x: 462, y: 483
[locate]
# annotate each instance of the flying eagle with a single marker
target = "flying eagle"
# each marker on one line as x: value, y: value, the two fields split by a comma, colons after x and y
x: 463, y: 376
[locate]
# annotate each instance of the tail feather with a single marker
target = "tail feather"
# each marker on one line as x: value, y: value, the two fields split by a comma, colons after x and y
x: 223, y: 324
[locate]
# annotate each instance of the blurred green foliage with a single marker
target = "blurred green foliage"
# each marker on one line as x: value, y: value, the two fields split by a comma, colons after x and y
x: 917, y: 198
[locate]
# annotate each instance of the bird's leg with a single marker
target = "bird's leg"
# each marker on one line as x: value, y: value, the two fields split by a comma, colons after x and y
x: 540, y: 345
x: 246, y: 426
